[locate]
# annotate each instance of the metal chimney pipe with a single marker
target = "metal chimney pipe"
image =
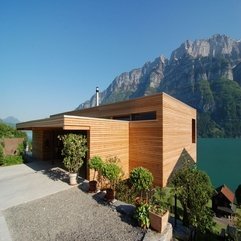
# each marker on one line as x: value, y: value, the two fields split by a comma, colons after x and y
x: 97, y: 96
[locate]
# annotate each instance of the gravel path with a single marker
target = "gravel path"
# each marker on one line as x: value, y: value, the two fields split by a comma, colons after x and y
x: 69, y: 215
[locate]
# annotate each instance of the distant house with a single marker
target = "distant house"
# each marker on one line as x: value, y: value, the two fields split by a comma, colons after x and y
x: 223, y: 201
x: 152, y: 131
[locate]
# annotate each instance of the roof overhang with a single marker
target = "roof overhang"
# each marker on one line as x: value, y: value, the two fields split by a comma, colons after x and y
x: 65, y: 122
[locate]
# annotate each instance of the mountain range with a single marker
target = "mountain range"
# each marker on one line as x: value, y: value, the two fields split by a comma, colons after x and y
x: 10, y: 120
x: 205, y: 74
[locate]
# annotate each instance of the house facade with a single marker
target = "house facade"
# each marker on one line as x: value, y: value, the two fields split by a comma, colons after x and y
x: 151, y: 132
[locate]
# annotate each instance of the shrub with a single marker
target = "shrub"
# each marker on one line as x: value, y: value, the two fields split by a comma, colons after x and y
x: 1, y: 155
x: 125, y: 192
x: 74, y: 151
x: 96, y: 163
x: 12, y: 160
x: 161, y: 200
x: 112, y: 172
x: 141, y: 178
x: 142, y: 215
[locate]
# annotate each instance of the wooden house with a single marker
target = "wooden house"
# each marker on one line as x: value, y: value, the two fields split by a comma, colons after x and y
x: 151, y: 131
x: 223, y: 201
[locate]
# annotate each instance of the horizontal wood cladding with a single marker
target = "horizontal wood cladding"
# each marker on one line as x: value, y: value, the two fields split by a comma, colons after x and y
x: 154, y: 144
x: 146, y: 146
x: 139, y: 105
x: 177, y: 134
x: 107, y: 138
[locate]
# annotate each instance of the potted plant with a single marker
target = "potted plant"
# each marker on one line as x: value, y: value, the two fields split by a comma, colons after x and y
x: 111, y: 171
x: 159, y: 209
x: 141, y: 178
x: 74, y: 151
x: 96, y: 164
x: 142, y: 215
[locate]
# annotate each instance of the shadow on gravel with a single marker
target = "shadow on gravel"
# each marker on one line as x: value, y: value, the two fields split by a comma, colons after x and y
x: 125, y: 210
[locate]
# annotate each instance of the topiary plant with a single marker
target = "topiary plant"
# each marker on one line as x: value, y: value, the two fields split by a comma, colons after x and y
x: 112, y: 172
x: 96, y: 164
x: 141, y: 178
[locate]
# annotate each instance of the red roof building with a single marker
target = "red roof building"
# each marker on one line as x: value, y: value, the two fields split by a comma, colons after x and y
x: 223, y: 201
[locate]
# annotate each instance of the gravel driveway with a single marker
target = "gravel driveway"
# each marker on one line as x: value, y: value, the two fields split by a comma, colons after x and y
x: 69, y: 215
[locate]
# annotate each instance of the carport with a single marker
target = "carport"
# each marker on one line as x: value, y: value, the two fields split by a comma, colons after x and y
x: 105, y: 137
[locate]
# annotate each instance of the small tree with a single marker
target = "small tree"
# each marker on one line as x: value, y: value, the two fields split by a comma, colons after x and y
x: 194, y: 190
x: 96, y: 164
x: 112, y: 171
x: 74, y: 151
x: 141, y: 178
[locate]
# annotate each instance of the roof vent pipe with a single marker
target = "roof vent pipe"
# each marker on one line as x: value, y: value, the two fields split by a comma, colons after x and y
x: 97, y: 96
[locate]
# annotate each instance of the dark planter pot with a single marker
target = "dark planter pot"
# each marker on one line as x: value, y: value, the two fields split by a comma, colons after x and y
x: 110, y: 196
x: 93, y: 186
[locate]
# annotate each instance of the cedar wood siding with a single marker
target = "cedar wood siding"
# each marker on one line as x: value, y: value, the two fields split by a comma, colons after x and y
x: 146, y: 139
x: 107, y: 138
x: 153, y: 144
x: 177, y: 133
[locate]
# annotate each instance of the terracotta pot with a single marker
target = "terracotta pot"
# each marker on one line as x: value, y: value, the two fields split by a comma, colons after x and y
x: 109, y: 194
x: 92, y: 186
x: 73, y: 179
x: 158, y: 222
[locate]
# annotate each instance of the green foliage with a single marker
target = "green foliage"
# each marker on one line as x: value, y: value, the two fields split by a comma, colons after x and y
x: 227, y: 94
x: 238, y: 194
x: 161, y: 200
x: 224, y: 119
x: 7, y: 131
x: 112, y: 171
x: 142, y: 215
x: 1, y: 155
x: 194, y: 190
x: 74, y: 151
x: 125, y: 192
x: 96, y: 163
x: 13, y: 160
x: 141, y: 178
x: 238, y: 221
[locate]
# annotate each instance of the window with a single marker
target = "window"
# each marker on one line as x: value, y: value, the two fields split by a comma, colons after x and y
x: 137, y: 116
x: 144, y: 116
x: 193, y: 131
x: 123, y: 117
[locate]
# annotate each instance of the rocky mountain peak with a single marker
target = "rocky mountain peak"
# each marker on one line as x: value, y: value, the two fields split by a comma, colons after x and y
x: 215, y: 46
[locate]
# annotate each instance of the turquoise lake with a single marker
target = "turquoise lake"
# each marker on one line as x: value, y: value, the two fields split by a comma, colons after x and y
x: 221, y: 159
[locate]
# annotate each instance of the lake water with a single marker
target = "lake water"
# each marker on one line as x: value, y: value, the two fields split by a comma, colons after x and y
x: 221, y: 159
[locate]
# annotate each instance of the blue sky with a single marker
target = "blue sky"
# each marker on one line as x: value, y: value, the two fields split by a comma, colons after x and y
x: 54, y: 53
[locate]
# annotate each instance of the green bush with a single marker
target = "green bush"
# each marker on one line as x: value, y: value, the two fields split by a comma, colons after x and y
x: 74, y: 151
x: 13, y: 160
x: 112, y: 171
x: 142, y: 215
x: 141, y: 178
x: 161, y: 200
x: 126, y: 192
x: 1, y: 155
x: 96, y: 164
